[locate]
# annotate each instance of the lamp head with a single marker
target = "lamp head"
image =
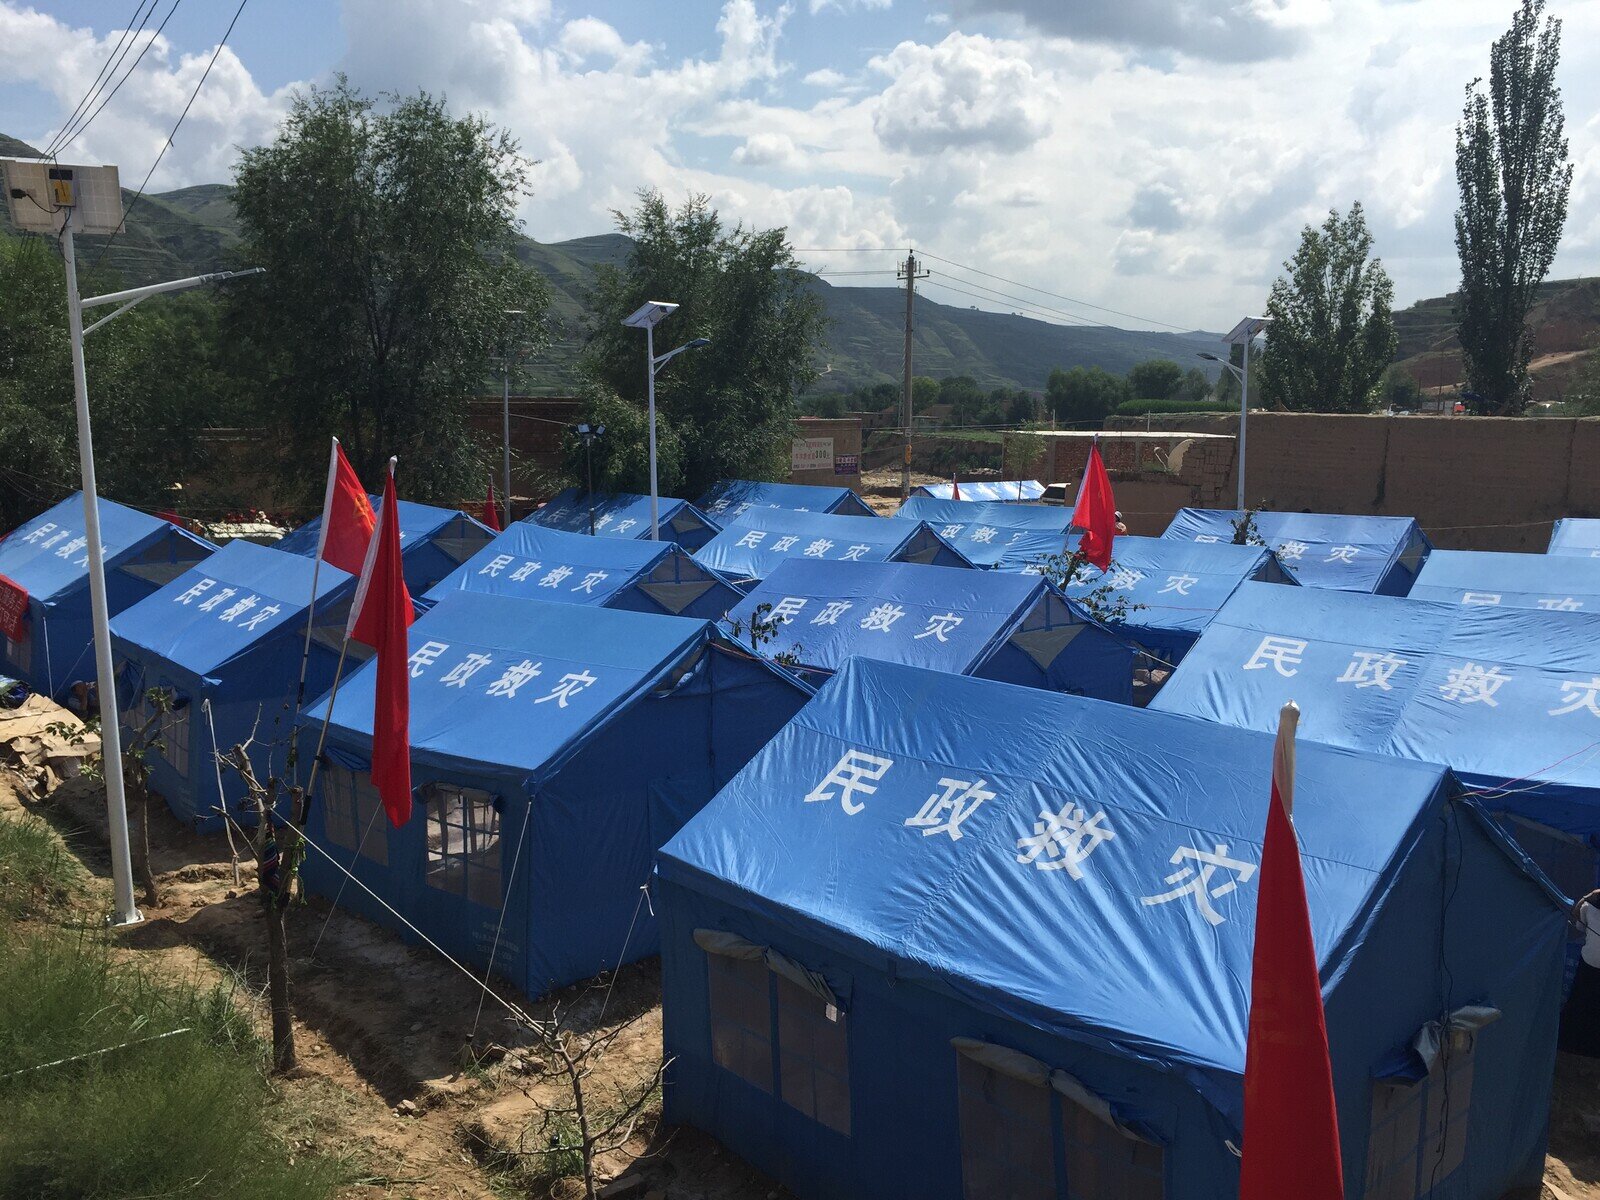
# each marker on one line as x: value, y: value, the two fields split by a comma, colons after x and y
x: 650, y: 314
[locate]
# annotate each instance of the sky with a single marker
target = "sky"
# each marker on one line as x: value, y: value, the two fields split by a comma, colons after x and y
x: 1153, y: 157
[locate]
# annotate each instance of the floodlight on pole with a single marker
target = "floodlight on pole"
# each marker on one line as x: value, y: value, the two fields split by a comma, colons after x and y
x: 1243, y: 334
x: 587, y: 434
x: 64, y: 201
x: 646, y: 317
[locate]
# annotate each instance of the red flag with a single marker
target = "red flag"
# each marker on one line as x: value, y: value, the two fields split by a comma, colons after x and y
x: 380, y: 616
x: 347, y: 516
x: 491, y: 515
x: 1096, y: 513
x: 955, y: 488
x: 1291, y: 1128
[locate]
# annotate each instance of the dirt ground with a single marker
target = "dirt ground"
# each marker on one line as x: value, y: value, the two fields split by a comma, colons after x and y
x: 424, y: 1097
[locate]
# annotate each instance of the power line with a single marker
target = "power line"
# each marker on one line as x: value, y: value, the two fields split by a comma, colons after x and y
x: 90, y: 91
x: 62, y: 140
x: 1035, y: 311
x: 167, y: 145
x: 1058, y: 296
x: 126, y: 76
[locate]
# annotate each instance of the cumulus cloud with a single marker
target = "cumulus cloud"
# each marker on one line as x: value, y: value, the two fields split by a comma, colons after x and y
x: 844, y: 5
x: 966, y: 91
x: 768, y: 150
x: 1219, y: 29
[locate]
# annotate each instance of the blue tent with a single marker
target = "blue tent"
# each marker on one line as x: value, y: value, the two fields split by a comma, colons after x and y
x: 230, y: 631
x: 625, y: 515
x: 948, y: 938
x: 1172, y: 589
x: 727, y: 499
x: 752, y: 546
x: 549, y: 564
x: 990, y: 624
x: 433, y: 541
x: 1508, y: 698
x: 1560, y: 583
x: 1323, y: 550
x: 46, y: 558
x: 1008, y: 537
x: 1576, y: 536
x: 1013, y: 491
x: 554, y: 747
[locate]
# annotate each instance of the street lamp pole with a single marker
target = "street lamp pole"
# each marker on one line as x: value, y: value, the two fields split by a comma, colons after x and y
x: 650, y: 314
x: 1242, y: 335
x: 505, y: 413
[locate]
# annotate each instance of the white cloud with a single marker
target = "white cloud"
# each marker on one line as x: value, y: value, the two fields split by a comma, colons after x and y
x: 964, y: 92
x: 826, y: 77
x: 590, y: 38
x: 845, y: 5
x: 768, y: 150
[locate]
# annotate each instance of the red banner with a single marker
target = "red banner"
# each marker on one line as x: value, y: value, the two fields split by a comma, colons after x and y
x: 13, y: 609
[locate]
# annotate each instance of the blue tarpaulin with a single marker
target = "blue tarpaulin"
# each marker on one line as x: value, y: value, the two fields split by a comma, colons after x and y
x: 230, y: 631
x: 1012, y: 490
x: 1508, y: 698
x: 1560, y: 583
x: 1577, y: 536
x: 47, y: 557
x: 727, y: 499
x: 753, y: 545
x: 625, y: 515
x: 1380, y: 555
x: 433, y: 541
x: 1007, y: 537
x: 943, y: 928
x: 554, y: 747
x: 537, y: 563
x: 990, y: 624
x: 1171, y: 590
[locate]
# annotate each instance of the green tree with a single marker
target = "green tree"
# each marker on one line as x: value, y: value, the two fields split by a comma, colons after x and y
x: 733, y: 400
x: 1400, y: 390
x: 1156, y: 379
x: 1583, y: 399
x: 966, y: 399
x: 1227, y: 386
x: 621, y: 457
x: 1193, y: 388
x: 387, y: 236
x: 1084, y: 396
x: 1513, y: 174
x: 1020, y: 407
x: 154, y: 385
x: 1332, y: 332
x: 829, y: 404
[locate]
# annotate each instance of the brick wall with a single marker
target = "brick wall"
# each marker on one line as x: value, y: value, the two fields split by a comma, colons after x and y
x: 846, y: 435
x: 537, y: 426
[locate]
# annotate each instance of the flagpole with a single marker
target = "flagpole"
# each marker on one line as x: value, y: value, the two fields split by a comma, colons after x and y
x: 322, y: 737
x: 311, y: 611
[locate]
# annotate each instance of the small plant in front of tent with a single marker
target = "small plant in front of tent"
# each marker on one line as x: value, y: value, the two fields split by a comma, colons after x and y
x: 763, y: 628
x: 1105, y: 603
x: 146, y: 738
x: 1245, y: 530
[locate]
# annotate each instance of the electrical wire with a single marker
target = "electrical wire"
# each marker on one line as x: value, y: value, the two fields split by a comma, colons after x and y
x: 62, y: 138
x: 125, y: 77
x: 89, y: 92
x: 1058, y: 295
x: 1037, y: 313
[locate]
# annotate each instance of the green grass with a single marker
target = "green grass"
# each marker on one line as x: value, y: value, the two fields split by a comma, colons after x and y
x: 37, y: 876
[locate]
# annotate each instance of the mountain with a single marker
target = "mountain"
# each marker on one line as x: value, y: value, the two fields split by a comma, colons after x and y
x: 194, y: 230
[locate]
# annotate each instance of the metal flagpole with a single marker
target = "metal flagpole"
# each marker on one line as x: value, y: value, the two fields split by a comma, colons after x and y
x: 311, y: 609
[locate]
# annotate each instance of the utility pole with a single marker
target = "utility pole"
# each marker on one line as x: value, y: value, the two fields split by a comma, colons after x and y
x: 910, y: 273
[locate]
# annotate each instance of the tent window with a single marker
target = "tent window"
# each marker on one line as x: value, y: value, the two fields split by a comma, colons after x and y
x: 741, y: 1018
x: 175, y: 738
x: 351, y: 809
x: 1419, y: 1129
x: 1006, y: 1143
x: 464, y: 843
x: 813, y: 1056
x: 19, y: 652
x: 1106, y: 1164
x: 166, y: 734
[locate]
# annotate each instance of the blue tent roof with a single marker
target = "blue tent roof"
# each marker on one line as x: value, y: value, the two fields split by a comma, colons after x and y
x: 1003, y: 626
x: 433, y: 541
x: 47, y: 555
x: 752, y: 546
x: 625, y: 515
x: 1012, y: 490
x: 537, y: 563
x: 544, y: 675
x: 1323, y: 550
x: 1563, y: 583
x: 1009, y: 537
x: 730, y: 497
x: 1173, y: 589
x: 1497, y: 694
x: 851, y: 802
x: 1577, y: 536
x: 418, y: 522
x: 224, y: 605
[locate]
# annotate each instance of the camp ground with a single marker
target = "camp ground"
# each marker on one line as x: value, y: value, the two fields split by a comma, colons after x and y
x: 554, y: 747
x: 1165, y: 593
x: 989, y: 624
x: 730, y: 497
x: 1508, y: 698
x: 998, y: 943
x: 433, y: 541
x: 1014, y: 491
x: 756, y: 542
x: 1379, y: 555
x: 1007, y: 537
x: 1578, y: 536
x: 1557, y: 582
x: 537, y: 563
x: 45, y: 628
x: 625, y: 515
x: 224, y: 642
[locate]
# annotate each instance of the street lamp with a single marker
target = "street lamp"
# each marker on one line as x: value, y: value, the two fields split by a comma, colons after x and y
x: 587, y: 434
x: 1242, y: 334
x: 650, y: 314
x: 505, y: 413
x: 39, y: 193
